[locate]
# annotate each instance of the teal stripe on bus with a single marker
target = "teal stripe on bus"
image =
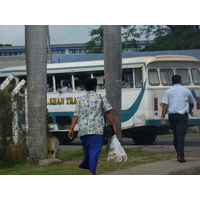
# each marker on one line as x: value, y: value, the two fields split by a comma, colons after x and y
x: 127, y: 114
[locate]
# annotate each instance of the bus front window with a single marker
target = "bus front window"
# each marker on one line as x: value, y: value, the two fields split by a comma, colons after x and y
x: 184, y: 75
x: 195, y: 76
x: 166, y: 75
x: 153, y: 77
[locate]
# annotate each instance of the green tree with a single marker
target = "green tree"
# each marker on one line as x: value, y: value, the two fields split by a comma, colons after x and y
x: 4, y: 45
x: 97, y: 39
x: 36, y: 59
x: 178, y: 37
x: 129, y: 34
x: 166, y: 37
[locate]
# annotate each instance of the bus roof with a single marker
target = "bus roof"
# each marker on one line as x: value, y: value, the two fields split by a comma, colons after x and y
x: 98, y: 64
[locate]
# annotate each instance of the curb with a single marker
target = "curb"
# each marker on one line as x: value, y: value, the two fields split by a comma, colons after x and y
x: 189, y: 171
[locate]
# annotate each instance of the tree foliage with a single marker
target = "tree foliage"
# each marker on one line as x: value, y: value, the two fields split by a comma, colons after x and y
x: 2, y: 45
x: 166, y: 37
x: 130, y: 34
x: 97, y: 39
x: 178, y: 37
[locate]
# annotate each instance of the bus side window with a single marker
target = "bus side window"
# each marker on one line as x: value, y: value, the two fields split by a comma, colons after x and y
x: 50, y: 87
x: 195, y: 76
x: 60, y: 79
x: 166, y: 75
x: 100, y: 79
x: 79, y: 80
x: 127, y: 78
x: 184, y: 75
x: 138, y: 78
x: 153, y: 77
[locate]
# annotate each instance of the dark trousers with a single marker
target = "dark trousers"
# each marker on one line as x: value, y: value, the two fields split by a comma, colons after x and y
x: 178, y: 124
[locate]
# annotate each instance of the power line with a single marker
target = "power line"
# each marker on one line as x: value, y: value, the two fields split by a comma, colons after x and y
x: 53, y: 40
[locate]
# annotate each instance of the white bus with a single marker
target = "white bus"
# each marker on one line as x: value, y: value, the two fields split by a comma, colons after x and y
x: 144, y: 81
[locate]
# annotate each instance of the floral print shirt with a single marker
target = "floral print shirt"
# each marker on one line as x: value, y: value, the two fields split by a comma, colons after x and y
x: 89, y: 112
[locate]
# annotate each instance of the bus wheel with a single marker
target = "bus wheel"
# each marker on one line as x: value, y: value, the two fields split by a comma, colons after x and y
x: 65, y: 141
x: 144, y: 137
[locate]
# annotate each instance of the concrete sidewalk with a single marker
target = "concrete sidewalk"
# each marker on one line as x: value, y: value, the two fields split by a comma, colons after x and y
x: 168, y: 167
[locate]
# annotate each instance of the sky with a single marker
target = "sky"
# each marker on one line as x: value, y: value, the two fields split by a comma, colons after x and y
x: 76, y: 13
x: 59, y: 34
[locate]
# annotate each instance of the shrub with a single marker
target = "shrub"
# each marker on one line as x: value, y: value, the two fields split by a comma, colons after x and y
x: 9, y: 152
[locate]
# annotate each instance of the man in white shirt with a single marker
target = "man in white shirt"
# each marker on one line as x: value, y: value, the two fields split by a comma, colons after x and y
x: 179, y: 102
x: 64, y: 88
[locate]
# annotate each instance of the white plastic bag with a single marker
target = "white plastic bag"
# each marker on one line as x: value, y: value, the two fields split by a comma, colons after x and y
x: 116, y: 152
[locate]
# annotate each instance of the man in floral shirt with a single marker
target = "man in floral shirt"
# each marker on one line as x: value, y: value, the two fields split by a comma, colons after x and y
x: 88, y: 113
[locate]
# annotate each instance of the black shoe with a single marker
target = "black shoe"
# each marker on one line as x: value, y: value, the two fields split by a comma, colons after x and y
x: 180, y: 159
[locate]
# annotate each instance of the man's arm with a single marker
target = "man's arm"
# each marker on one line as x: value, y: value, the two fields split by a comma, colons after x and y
x: 110, y: 118
x: 164, y: 111
x: 191, y: 106
x: 73, y: 123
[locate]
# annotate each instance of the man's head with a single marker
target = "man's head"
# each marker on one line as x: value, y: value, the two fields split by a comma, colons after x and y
x: 176, y: 79
x: 90, y: 84
x: 65, y: 83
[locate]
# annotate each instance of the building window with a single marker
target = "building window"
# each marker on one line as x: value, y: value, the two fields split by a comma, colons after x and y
x: 76, y: 51
x: 70, y: 51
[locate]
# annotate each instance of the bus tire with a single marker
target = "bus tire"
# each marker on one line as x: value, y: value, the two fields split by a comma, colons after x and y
x: 144, y: 137
x: 65, y: 141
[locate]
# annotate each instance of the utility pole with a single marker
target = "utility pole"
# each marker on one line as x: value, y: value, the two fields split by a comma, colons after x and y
x: 36, y: 61
x: 113, y: 71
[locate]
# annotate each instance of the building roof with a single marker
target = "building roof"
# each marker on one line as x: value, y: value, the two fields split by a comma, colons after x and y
x: 90, y: 57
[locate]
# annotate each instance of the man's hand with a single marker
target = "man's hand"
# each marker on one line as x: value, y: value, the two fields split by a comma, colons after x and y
x: 163, y: 120
x: 71, y: 130
x: 71, y: 134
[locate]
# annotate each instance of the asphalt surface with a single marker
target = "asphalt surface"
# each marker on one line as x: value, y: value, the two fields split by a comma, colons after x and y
x: 160, y: 147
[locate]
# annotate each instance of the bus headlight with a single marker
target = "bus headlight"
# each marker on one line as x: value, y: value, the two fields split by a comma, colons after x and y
x: 51, y: 127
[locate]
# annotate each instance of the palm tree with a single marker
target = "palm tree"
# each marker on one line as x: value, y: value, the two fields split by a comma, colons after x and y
x: 113, y: 70
x: 36, y: 61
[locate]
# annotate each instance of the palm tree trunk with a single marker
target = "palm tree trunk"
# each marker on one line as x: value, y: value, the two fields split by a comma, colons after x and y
x: 113, y: 71
x: 36, y: 61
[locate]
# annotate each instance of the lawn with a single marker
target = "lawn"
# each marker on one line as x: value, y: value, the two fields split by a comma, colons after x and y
x: 72, y: 158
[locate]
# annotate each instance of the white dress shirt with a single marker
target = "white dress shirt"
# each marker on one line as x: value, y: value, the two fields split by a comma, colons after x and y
x: 178, y: 99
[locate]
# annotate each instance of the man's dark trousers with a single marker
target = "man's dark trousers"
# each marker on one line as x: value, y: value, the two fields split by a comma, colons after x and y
x: 178, y: 123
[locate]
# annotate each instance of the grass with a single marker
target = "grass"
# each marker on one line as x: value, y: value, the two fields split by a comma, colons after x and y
x: 188, y: 135
x: 72, y: 158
